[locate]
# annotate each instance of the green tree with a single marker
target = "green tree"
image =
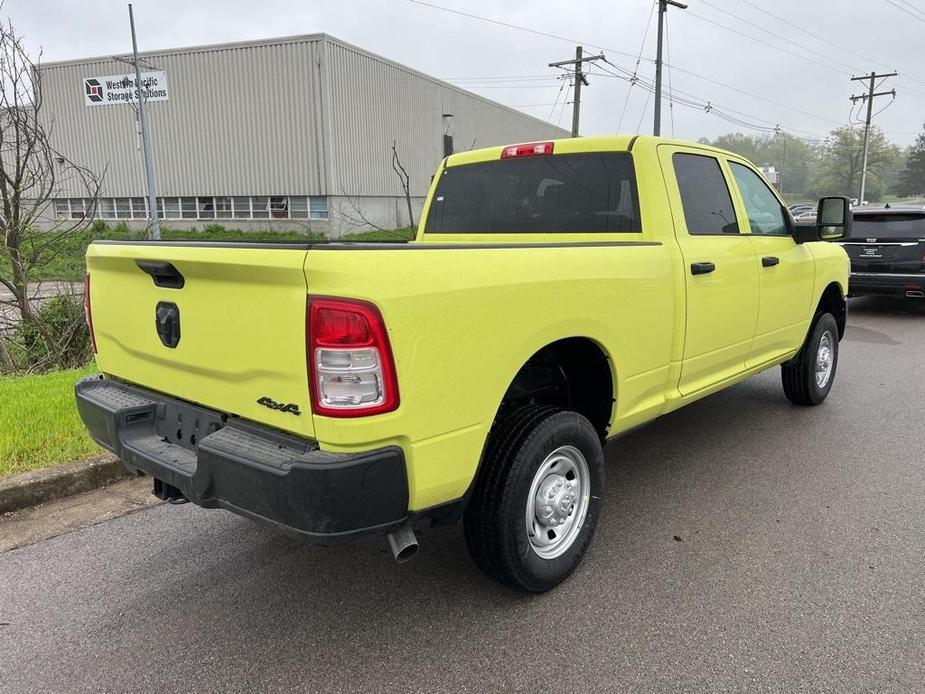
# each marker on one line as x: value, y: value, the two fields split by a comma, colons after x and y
x: 841, y: 160
x: 794, y: 159
x: 912, y: 178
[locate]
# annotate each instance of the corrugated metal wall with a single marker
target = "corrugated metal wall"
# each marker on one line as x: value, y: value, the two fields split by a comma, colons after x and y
x: 374, y: 101
x: 240, y: 120
x: 306, y: 115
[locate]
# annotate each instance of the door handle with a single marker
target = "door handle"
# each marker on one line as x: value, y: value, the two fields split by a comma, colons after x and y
x: 769, y: 261
x: 702, y: 268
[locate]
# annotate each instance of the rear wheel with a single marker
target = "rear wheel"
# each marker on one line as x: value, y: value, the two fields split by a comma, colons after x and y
x: 537, y: 498
x: 807, y: 379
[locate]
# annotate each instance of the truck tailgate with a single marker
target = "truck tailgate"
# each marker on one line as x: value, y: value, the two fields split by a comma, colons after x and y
x: 241, y: 325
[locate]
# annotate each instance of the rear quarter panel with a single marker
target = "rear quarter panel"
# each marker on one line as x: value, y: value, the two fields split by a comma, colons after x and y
x: 462, y: 321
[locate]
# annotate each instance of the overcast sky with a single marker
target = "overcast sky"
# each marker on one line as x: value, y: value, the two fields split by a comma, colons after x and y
x: 509, y: 65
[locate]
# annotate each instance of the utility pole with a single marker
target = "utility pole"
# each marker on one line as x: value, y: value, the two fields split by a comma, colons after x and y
x: 154, y: 224
x: 662, y: 9
x: 579, y: 79
x: 869, y: 97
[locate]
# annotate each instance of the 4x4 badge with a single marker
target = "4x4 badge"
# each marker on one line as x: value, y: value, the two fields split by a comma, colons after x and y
x: 270, y: 403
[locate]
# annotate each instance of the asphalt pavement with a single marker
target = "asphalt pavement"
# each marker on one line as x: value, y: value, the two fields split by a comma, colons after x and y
x: 745, y: 545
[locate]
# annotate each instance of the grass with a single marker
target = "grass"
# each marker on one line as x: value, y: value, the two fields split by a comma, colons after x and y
x: 68, y: 265
x: 39, y: 424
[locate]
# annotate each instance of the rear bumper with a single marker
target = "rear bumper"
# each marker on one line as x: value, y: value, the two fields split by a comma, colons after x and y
x: 891, y: 284
x: 261, y: 473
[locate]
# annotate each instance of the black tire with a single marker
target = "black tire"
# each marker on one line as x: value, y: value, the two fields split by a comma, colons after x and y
x: 495, y: 527
x: 799, y: 375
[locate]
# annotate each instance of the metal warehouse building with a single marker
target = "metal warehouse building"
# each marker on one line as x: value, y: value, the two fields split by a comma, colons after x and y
x: 288, y: 133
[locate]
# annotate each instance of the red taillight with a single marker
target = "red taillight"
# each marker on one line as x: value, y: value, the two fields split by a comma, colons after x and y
x: 350, y: 364
x: 530, y: 149
x: 88, y: 314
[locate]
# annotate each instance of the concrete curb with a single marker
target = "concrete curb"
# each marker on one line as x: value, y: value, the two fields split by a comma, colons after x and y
x: 40, y: 486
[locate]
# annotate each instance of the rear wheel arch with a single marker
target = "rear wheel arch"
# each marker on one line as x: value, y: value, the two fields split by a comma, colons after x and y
x: 574, y: 373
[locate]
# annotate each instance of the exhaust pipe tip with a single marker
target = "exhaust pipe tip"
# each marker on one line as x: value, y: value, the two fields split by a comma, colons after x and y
x: 404, y: 543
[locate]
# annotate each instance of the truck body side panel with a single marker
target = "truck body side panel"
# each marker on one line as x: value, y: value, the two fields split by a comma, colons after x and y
x: 463, y: 321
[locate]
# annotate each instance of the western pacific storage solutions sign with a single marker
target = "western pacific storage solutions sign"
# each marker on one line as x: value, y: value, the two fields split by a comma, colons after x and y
x: 120, y: 89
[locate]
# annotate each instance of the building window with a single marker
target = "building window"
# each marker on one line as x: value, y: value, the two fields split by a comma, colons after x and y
x: 298, y: 207
x: 188, y: 208
x: 259, y: 207
x: 242, y: 207
x: 206, y: 208
x: 279, y: 207
x: 170, y: 208
x: 78, y: 210
x: 223, y: 207
x: 318, y: 206
x: 139, y: 209
x: 202, y: 207
x: 107, y: 208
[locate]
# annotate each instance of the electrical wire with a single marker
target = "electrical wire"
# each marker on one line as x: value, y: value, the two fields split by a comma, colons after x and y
x: 553, y: 109
x: 564, y: 104
x: 908, y: 12
x: 670, y: 90
x: 775, y: 35
x: 913, y: 7
x: 689, y: 13
x: 629, y: 89
x: 518, y: 27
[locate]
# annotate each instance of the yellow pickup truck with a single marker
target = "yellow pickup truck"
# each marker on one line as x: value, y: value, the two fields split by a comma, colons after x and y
x: 557, y: 294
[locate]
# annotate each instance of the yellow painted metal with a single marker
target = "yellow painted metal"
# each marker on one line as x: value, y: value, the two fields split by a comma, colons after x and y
x: 242, y: 326
x: 462, y: 321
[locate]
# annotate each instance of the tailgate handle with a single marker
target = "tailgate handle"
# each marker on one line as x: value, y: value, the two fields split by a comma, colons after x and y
x: 164, y: 273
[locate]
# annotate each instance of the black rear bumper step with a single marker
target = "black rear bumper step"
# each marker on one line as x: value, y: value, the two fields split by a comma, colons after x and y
x: 221, y: 462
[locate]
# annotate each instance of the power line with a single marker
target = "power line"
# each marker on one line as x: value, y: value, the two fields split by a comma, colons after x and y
x: 758, y: 40
x: 629, y: 90
x: 908, y: 12
x: 777, y: 36
x: 910, y: 5
x: 518, y: 27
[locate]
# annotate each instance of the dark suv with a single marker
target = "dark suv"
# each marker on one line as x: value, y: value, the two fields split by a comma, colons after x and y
x: 887, y: 251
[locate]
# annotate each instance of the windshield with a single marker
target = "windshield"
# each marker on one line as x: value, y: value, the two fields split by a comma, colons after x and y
x: 892, y: 226
x: 560, y: 193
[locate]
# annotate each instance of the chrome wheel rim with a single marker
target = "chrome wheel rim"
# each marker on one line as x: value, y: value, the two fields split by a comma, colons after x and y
x: 558, y: 502
x: 825, y: 359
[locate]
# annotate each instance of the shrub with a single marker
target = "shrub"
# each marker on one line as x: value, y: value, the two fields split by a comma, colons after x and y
x: 63, y: 319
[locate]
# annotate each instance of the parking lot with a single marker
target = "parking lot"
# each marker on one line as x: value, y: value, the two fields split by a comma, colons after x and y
x: 746, y: 545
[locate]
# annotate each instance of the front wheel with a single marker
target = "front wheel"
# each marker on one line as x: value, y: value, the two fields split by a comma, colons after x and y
x: 537, y: 497
x: 808, y: 377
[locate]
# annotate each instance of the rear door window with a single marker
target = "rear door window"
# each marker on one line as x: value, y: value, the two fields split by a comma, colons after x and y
x: 895, y: 225
x: 704, y: 195
x: 559, y: 193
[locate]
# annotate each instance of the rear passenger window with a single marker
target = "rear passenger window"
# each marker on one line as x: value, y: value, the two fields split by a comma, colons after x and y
x: 704, y: 195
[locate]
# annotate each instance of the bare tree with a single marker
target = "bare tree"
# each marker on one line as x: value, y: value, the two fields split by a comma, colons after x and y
x: 32, y: 175
x: 404, y: 181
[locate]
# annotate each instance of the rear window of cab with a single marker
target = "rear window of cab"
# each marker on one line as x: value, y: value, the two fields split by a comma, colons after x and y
x: 589, y: 192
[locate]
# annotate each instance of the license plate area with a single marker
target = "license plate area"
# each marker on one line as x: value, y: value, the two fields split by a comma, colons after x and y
x: 186, y: 425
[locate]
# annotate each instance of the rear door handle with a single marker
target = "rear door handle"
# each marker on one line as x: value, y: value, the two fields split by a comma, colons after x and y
x: 769, y: 261
x: 702, y: 268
